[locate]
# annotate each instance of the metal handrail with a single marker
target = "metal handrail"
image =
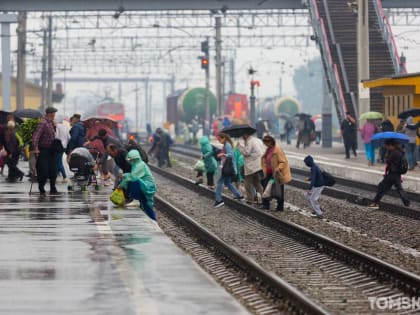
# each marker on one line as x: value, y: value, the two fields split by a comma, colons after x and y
x: 388, y: 36
x: 329, y: 23
x: 331, y: 69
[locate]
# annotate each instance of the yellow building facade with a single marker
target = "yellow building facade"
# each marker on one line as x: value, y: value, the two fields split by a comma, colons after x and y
x: 401, y: 92
x: 32, y: 95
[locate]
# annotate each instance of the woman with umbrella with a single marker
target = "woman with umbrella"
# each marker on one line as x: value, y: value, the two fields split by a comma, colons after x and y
x: 228, y: 170
x: 392, y: 177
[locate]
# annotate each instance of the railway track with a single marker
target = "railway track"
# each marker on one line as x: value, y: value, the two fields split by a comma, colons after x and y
x: 354, y: 192
x: 260, y: 291
x: 335, y: 276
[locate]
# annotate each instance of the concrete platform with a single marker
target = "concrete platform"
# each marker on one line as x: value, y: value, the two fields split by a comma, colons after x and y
x: 56, y: 260
x: 333, y: 160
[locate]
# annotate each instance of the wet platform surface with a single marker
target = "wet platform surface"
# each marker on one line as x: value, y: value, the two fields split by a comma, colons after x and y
x: 56, y: 260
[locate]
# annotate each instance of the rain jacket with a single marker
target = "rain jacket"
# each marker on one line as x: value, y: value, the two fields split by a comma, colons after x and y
x: 279, y: 165
x: 317, y: 180
x: 239, y: 161
x: 140, y: 173
x: 252, y: 152
x: 210, y: 162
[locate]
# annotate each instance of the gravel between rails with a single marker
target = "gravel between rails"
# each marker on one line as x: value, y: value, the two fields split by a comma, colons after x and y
x: 385, y: 236
x: 338, y: 288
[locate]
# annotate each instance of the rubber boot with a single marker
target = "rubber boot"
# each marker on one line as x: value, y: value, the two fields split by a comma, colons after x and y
x: 280, y: 205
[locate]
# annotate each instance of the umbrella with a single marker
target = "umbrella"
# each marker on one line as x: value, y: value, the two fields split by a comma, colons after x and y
x: 3, y: 117
x: 91, y: 121
x: 413, y: 112
x: 380, y: 137
x: 237, y: 131
x: 371, y: 115
x: 27, y: 113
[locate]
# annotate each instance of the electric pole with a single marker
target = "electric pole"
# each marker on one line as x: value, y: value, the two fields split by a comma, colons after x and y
x: 219, y: 61
x: 21, y: 63
x: 50, y: 63
x: 206, y: 67
x: 6, y: 20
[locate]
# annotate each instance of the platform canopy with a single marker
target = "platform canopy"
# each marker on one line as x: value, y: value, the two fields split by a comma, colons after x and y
x: 411, y: 79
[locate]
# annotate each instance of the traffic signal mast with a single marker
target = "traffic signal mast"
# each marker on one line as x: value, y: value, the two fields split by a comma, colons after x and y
x: 205, y: 66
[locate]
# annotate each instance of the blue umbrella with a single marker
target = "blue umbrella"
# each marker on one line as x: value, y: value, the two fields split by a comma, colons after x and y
x: 380, y: 137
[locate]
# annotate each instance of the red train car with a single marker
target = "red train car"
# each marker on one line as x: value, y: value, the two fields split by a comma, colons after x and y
x: 237, y: 107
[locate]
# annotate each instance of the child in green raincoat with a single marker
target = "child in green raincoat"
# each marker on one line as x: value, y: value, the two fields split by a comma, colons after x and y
x: 209, y: 159
x: 140, y: 183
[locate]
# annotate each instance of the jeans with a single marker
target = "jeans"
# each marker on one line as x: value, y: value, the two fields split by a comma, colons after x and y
x: 370, y: 153
x: 391, y: 179
x: 313, y: 198
x: 411, y: 155
x: 227, y: 181
x: 60, y: 166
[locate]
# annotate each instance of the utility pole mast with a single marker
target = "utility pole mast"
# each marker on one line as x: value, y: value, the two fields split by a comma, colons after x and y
x: 362, y: 59
x: 50, y: 63
x: 219, y: 62
x: 205, y: 65
x: 44, y: 71
x: 5, y: 20
x: 253, y: 83
x: 21, y: 63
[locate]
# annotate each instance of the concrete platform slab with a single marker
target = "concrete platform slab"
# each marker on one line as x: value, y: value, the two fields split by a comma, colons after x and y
x: 56, y: 260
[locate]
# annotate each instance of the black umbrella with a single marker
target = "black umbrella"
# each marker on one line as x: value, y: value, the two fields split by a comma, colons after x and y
x: 3, y: 117
x: 28, y: 113
x: 237, y: 131
x: 413, y: 112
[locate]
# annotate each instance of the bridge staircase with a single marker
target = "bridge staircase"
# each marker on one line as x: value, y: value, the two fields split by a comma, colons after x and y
x: 335, y: 26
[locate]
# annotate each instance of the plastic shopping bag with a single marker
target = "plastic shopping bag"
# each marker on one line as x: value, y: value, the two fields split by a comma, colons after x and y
x: 117, y: 197
x: 199, y: 166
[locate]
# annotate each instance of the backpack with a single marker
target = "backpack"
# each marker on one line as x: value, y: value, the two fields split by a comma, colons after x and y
x: 329, y: 180
x: 403, y: 166
x: 216, y: 152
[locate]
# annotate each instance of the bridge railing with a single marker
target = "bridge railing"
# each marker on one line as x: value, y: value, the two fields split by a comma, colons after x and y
x: 331, y: 71
x: 388, y: 36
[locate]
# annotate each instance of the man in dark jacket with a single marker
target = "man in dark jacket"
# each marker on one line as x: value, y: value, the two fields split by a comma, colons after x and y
x: 349, y: 133
x: 163, y: 146
x: 392, y: 175
x: 42, y: 140
x: 77, y: 134
x: 316, y: 186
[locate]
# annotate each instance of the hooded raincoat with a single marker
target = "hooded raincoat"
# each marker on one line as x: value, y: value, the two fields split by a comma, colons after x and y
x: 140, y: 183
x: 210, y: 162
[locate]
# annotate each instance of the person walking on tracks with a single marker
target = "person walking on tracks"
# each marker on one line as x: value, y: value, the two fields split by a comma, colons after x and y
x: 275, y: 166
x: 316, y: 186
x: 392, y: 177
x: 42, y: 139
x: 228, y: 171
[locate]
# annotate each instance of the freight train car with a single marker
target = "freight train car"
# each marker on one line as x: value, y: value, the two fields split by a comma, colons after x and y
x: 184, y: 105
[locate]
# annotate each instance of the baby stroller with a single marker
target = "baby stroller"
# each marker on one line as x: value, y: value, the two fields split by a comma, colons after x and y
x: 82, y: 163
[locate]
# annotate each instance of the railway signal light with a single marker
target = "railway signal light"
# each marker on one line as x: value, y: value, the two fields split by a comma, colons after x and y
x: 204, y: 63
x: 205, y: 47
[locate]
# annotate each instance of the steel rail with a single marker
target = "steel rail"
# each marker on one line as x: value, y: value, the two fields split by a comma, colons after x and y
x: 393, y: 208
x: 381, y: 270
x: 299, y: 301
